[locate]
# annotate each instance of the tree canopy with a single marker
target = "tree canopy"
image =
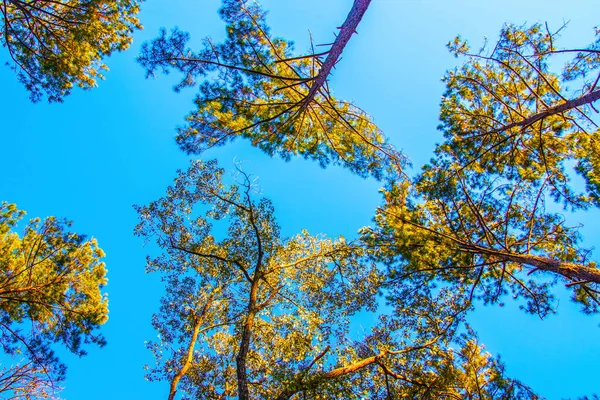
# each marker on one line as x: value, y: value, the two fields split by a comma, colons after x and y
x: 55, y: 45
x: 266, y: 93
x: 256, y: 316
x: 479, y: 220
x: 50, y: 292
x: 250, y: 313
x: 482, y: 213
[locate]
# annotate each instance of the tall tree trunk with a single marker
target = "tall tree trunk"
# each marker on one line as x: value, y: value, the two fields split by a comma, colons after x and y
x: 346, y: 31
x: 240, y: 359
x: 315, y: 379
x: 559, y: 108
x: 573, y: 271
x: 187, y: 361
x: 576, y: 272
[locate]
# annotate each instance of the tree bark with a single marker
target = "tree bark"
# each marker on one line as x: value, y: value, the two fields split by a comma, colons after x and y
x: 573, y: 271
x: 562, y: 107
x: 187, y: 361
x: 240, y: 359
x: 576, y: 272
x: 314, y: 379
x: 346, y: 31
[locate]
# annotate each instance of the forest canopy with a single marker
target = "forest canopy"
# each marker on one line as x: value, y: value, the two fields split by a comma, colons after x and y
x: 476, y: 221
x: 249, y: 308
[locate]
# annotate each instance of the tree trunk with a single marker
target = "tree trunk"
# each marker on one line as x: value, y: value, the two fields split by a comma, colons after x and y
x: 346, y: 31
x: 313, y: 380
x: 240, y: 359
x: 562, y: 107
x: 572, y: 271
x: 187, y: 361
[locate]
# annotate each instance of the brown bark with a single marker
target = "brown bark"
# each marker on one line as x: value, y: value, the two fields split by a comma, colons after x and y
x: 187, y: 361
x: 562, y: 107
x: 572, y: 271
x: 314, y: 379
x: 346, y: 31
x: 240, y: 359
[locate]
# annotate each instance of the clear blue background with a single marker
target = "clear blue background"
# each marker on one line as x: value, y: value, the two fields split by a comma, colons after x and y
x: 93, y: 157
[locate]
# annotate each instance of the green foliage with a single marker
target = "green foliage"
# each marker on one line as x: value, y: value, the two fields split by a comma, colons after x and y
x: 476, y: 224
x: 506, y: 113
x: 50, y: 292
x: 286, y: 300
x: 55, y: 45
x: 252, y: 85
x: 463, y: 373
x: 477, y: 218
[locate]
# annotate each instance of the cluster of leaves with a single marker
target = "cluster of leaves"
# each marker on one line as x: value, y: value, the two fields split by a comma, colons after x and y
x: 50, y: 292
x: 505, y: 113
x: 253, y: 86
x: 56, y: 44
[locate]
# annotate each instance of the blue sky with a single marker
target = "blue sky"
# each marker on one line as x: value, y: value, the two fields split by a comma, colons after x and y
x: 101, y: 151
